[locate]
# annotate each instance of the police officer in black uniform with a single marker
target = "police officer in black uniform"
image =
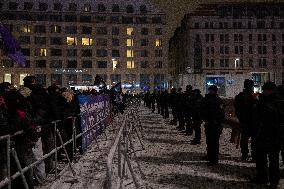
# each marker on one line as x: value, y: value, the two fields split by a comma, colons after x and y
x: 213, y: 116
x: 196, y: 99
x: 187, y: 110
x: 173, y: 105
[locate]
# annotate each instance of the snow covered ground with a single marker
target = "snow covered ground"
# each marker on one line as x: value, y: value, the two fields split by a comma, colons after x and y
x: 169, y: 161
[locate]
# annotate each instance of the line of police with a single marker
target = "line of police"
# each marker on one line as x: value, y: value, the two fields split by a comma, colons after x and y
x: 261, y: 118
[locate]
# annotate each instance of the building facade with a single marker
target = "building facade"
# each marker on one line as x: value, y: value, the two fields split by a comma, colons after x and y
x: 69, y: 42
x: 227, y: 43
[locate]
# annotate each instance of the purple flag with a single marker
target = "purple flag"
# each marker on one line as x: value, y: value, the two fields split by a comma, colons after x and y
x: 12, y: 47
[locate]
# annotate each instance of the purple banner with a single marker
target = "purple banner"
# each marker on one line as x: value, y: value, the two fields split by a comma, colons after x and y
x: 95, y: 114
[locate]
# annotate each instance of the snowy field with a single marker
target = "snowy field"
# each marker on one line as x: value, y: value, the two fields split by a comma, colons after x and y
x: 169, y: 161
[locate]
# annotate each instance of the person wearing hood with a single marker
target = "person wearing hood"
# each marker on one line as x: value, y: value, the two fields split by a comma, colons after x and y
x: 213, y: 115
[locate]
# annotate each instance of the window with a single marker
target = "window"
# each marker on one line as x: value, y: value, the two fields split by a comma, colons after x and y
x: 129, y: 9
x: 250, y: 37
x: 28, y: 5
x: 115, y: 53
x: 102, y: 64
x: 101, y: 31
x: 274, y: 49
x: 56, y: 79
x: 158, y: 31
x: 227, y: 49
x: 71, y: 29
x: 71, y: 64
x: 55, y: 18
x: 262, y: 50
x: 129, y: 31
x: 40, y: 79
x: 115, y: 42
x: 115, y: 31
x: 158, y: 53
x: 72, y: 6
x: 129, y: 54
x: 251, y: 63
x: 207, y: 37
x: 144, y: 31
x: 87, y: 8
x: 8, y: 77
x: 13, y: 5
x: 250, y: 50
x: 129, y: 42
x: 87, y: 41
x: 86, y: 53
x: 26, y: 52
x: 127, y: 20
x: 40, y: 63
x: 71, y: 79
x: 212, y: 61
x: 71, y: 41
x: 262, y: 63
x: 158, y: 42
x: 57, y: 6
x: 101, y: 53
x: 274, y: 62
x: 141, y: 20
x: 273, y: 37
x: 55, y: 52
x: 40, y: 52
x: 144, y: 42
x: 221, y: 36
x: 39, y: 29
x: 143, y: 53
x: 130, y: 64
x: 55, y: 29
x: 42, y: 6
x: 143, y: 9
x: 24, y: 39
x: 55, y: 41
x: 87, y: 64
x: 71, y: 52
x: 115, y: 8
x: 86, y: 30
x: 25, y: 29
x: 222, y: 63
x: 114, y: 19
x: 7, y: 63
x: 156, y: 20
x: 101, y: 8
x: 158, y: 64
x: 144, y: 64
x: 115, y: 64
x: 101, y: 42
x: 70, y: 18
x: 55, y: 64
x: 87, y: 79
x: 260, y: 24
x: 100, y: 19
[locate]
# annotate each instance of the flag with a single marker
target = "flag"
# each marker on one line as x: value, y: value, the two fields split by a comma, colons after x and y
x: 12, y: 47
x: 117, y: 88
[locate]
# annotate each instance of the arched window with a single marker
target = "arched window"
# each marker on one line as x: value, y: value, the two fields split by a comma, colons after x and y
x: 87, y: 7
x: 143, y: 9
x: 101, y: 8
x: 115, y: 8
x: 129, y: 9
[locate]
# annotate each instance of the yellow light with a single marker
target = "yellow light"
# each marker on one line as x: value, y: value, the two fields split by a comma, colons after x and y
x: 71, y: 41
x: 129, y: 42
x: 130, y: 64
x: 56, y: 29
x: 129, y: 31
x: 42, y: 52
x: 26, y: 29
x: 158, y: 42
x: 87, y: 41
x: 129, y: 53
x: 114, y: 64
x: 8, y: 78
x: 22, y: 76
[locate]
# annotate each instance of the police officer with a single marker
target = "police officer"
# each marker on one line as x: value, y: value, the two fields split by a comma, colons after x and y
x: 173, y: 105
x: 213, y: 116
x: 180, y: 111
x: 187, y: 110
x: 244, y: 104
x: 267, y: 139
x: 165, y: 104
x: 153, y: 100
x: 196, y: 99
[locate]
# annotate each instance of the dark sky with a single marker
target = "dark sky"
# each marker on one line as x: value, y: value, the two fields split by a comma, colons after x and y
x: 175, y: 9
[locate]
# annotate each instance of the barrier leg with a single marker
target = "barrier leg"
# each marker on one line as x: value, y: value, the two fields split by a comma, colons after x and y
x: 69, y: 162
x: 131, y: 170
x: 55, y: 147
x: 74, y: 137
x: 14, y: 153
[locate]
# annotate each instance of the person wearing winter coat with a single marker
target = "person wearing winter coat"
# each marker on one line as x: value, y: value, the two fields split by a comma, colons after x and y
x: 196, y: 99
x: 213, y: 115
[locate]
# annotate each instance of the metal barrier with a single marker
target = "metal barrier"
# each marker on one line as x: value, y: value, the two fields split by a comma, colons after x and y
x: 124, y: 147
x: 21, y: 170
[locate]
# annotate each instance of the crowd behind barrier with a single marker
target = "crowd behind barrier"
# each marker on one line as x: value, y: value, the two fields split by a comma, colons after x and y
x: 31, y: 144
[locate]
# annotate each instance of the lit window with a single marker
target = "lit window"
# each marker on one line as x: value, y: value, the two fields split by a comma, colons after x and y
x: 87, y: 41
x: 42, y: 52
x: 22, y: 76
x: 129, y: 42
x: 8, y: 78
x: 130, y: 31
x: 130, y: 64
x: 114, y: 64
x: 26, y: 29
x: 130, y: 54
x: 71, y: 41
x: 56, y: 29
x: 87, y: 8
x: 158, y: 42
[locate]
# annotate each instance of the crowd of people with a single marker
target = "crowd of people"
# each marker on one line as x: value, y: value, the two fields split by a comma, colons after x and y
x: 31, y: 106
x: 261, y: 121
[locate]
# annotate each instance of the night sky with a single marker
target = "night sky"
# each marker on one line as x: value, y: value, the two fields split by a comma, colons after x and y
x: 175, y: 9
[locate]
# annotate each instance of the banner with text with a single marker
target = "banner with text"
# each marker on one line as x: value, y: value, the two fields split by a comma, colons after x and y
x: 95, y: 114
